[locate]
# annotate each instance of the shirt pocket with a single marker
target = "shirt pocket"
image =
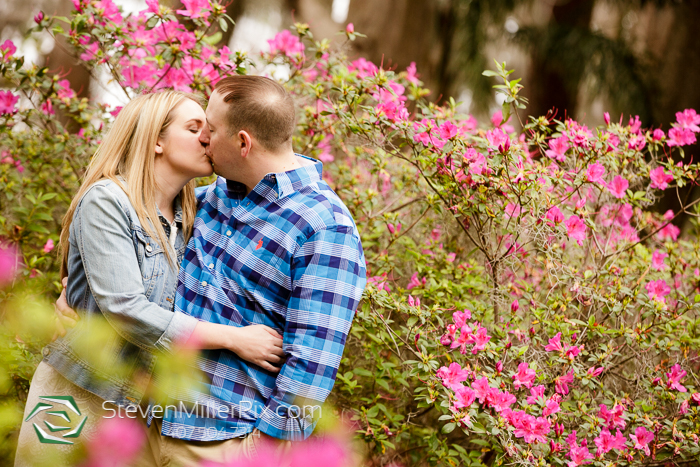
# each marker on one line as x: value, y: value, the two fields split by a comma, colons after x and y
x: 151, y: 259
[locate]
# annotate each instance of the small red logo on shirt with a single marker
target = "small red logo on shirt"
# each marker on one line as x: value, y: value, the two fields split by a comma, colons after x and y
x: 259, y: 244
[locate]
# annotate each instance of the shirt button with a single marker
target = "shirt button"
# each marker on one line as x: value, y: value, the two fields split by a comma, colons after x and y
x: 228, y: 233
x: 211, y: 266
x: 148, y: 248
x: 46, y: 351
x: 204, y: 284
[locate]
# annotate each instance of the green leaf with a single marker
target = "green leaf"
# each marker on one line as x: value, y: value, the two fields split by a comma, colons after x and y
x: 223, y: 24
x: 449, y: 428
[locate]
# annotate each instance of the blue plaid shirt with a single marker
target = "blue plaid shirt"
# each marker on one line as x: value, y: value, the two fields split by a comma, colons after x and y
x: 287, y: 255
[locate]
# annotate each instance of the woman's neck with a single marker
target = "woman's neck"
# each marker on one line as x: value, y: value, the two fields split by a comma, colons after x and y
x: 167, y: 188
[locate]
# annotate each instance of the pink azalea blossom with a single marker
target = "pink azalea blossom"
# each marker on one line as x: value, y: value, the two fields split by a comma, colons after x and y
x: 481, y: 389
x: 524, y: 377
x: 657, y: 135
x: 529, y: 428
x: 153, y: 6
x: 674, y: 378
x: 536, y: 393
x: 480, y: 338
x: 635, y: 124
x: 659, y: 178
x: 670, y: 231
x: 411, y: 74
x: 497, y: 138
x: 657, y: 290
x: 618, y: 186
x: 7, y: 102
x: 641, y: 438
x: 561, y: 383
x: 594, y: 372
x: 198, y: 9
x: 285, y: 43
x: 501, y: 400
x: 576, y: 229
x: 555, y: 215
x: 688, y: 119
x: 680, y: 137
x: 579, y: 455
x: 554, y: 344
x: 550, y: 407
x: 606, y: 442
x: 108, y: 11
x: 448, y: 130
x: 117, y: 441
x: 464, y: 397
x: 595, y: 173
x: 658, y: 260
x: 8, y: 48
x: 606, y: 118
x: 414, y: 282
x: 557, y: 148
x: 453, y: 376
x: 350, y: 28
x: 48, y: 246
x: 683, y: 408
x: 465, y: 337
x: 460, y: 317
x: 696, y: 397
x: 363, y: 68
x: 612, y: 417
x: 572, y: 352
x: 512, y: 210
x: 9, y: 260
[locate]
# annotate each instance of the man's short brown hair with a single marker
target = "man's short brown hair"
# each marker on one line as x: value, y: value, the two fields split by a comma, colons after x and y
x: 260, y: 106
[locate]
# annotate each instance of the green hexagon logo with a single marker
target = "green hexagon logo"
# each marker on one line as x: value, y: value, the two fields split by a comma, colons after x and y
x: 59, y: 418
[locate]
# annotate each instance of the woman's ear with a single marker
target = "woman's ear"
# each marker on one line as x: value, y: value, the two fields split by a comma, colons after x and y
x: 159, y: 146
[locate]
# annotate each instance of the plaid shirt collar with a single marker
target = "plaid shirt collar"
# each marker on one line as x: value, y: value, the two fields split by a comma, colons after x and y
x: 274, y: 186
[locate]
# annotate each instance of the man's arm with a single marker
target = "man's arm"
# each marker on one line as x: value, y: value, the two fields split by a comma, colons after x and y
x: 328, y: 277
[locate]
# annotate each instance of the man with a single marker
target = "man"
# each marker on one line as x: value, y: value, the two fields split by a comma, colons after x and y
x: 272, y: 244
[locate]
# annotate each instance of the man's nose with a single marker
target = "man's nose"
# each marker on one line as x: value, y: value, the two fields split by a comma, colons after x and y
x: 204, y: 136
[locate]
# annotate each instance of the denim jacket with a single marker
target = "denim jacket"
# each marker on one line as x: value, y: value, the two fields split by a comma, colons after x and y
x: 117, y: 274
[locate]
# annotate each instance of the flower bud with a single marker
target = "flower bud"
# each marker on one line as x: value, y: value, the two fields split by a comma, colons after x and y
x: 515, y: 306
x: 39, y: 17
x: 499, y: 366
x: 446, y: 340
x: 606, y: 117
x: 350, y: 28
x: 559, y: 429
x: 509, y: 345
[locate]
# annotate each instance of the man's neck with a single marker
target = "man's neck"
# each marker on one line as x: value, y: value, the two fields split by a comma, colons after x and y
x: 275, y: 163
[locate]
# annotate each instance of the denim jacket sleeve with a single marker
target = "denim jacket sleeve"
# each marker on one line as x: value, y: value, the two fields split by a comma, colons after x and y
x: 106, y: 246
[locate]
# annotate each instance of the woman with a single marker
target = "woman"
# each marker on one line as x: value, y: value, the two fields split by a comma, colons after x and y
x: 123, y: 239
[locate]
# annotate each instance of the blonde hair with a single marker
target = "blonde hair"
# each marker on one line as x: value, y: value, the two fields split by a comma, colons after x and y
x: 128, y: 151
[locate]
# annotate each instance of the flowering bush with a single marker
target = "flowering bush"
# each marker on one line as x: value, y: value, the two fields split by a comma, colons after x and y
x: 525, y: 302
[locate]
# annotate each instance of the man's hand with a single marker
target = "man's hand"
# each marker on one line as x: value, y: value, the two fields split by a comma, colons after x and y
x: 65, y: 316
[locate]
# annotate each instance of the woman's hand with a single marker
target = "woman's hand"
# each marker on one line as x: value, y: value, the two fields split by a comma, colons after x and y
x: 258, y: 344
x: 65, y: 315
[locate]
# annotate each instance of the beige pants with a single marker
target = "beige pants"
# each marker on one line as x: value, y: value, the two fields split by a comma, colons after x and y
x: 41, y: 437
x: 171, y: 452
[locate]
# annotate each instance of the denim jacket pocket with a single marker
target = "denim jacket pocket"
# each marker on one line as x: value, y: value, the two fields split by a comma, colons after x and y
x: 151, y: 258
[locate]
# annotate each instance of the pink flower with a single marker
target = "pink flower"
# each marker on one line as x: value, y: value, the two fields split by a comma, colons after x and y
x: 657, y: 290
x: 153, y: 6
x: 635, y: 124
x: 465, y: 337
x: 595, y: 173
x: 657, y: 260
x: 413, y: 301
x: 675, y: 377
x: 554, y: 344
x: 607, y: 442
x: 696, y: 397
x: 688, y: 119
x: 529, y: 428
x: 515, y: 306
x: 8, y: 102
x: 612, y: 417
x: 501, y: 400
x: 572, y: 352
x: 480, y: 338
x: 481, y: 389
x: 618, y: 186
x: 555, y: 215
x: 557, y: 148
x: 606, y: 118
x: 670, y: 231
x: 460, y: 318
x: 680, y: 137
x: 593, y: 371
x: 39, y: 17
x: 497, y: 138
x: 464, y: 397
x: 414, y: 282
x: 512, y: 210
x: 9, y: 260
x: 579, y: 455
x: 536, y: 392
x: 8, y: 48
x: 48, y: 246
x: 524, y: 377
x: 657, y: 135
x: 197, y: 9
x: 363, y: 68
x: 551, y: 407
x: 659, y: 178
x: 448, y: 130
x: 641, y: 438
x: 576, y: 229
x: 350, y: 28
x: 117, y: 442
x: 453, y: 376
x: 683, y: 409
x: 411, y: 75
x: 561, y: 383
x: 286, y: 43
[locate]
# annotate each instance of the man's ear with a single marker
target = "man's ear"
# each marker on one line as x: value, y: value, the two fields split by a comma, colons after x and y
x: 246, y: 142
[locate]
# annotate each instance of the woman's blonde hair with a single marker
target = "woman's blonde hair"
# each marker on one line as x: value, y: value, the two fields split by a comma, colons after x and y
x: 128, y: 151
